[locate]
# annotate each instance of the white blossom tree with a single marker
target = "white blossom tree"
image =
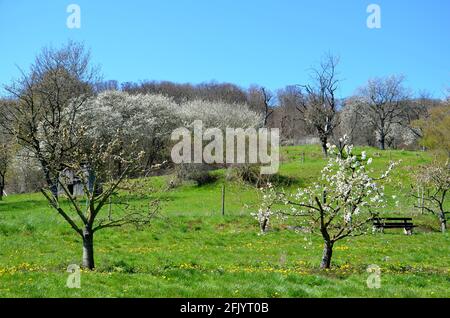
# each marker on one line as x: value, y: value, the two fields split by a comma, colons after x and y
x: 220, y: 114
x: 340, y: 204
x: 147, y: 119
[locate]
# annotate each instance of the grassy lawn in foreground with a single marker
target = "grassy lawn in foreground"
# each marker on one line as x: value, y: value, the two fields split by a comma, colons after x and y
x: 192, y: 251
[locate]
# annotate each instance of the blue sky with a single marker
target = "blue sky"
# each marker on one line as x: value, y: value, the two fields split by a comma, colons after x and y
x: 271, y: 43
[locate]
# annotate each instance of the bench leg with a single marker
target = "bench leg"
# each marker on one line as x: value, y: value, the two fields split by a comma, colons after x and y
x: 408, y: 231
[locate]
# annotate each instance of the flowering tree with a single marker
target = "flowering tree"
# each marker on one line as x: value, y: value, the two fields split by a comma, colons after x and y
x: 434, y: 179
x: 147, y: 119
x: 340, y: 204
x: 220, y: 114
x: 93, y: 163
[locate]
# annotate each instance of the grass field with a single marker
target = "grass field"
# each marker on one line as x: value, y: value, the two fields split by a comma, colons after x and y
x: 194, y: 251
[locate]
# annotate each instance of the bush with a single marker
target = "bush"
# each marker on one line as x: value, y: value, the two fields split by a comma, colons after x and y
x: 197, y: 172
x: 247, y: 173
x: 250, y: 173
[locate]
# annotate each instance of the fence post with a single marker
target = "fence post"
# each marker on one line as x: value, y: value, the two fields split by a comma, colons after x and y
x: 110, y: 209
x: 223, y: 199
x: 422, y: 200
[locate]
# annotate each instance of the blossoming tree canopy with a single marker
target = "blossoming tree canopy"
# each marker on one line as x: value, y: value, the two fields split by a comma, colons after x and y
x: 340, y: 204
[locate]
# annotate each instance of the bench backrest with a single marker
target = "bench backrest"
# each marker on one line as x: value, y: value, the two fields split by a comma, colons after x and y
x: 391, y: 219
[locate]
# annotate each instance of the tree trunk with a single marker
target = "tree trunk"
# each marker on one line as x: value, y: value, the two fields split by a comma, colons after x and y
x: 51, y: 182
x: 88, y: 248
x: 443, y: 222
x: 382, y: 142
x: 2, y: 186
x: 326, y: 256
x: 324, y: 142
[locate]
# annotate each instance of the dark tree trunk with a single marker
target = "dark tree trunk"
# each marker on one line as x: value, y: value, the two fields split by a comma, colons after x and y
x: 326, y: 256
x: 382, y: 142
x: 119, y: 168
x: 88, y: 248
x: 52, y: 182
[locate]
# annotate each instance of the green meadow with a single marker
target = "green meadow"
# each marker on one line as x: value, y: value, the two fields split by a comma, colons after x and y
x: 192, y: 250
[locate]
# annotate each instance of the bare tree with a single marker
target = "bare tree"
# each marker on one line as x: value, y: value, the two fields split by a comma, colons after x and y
x: 435, y: 182
x: 319, y: 103
x: 287, y: 115
x: 47, y: 100
x: 354, y: 124
x: 209, y: 91
x: 111, y: 85
x: 384, y: 101
x: 93, y: 164
x: 260, y: 99
x: 53, y: 119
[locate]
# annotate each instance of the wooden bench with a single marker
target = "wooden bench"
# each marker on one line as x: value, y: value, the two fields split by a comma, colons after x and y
x: 394, y: 223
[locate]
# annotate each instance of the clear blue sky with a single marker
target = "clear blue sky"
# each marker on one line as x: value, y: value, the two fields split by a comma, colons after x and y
x: 271, y: 43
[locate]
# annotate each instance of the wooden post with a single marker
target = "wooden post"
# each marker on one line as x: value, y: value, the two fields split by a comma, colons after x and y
x: 223, y: 199
x: 423, y: 200
x: 303, y: 157
x: 418, y: 198
x: 110, y: 210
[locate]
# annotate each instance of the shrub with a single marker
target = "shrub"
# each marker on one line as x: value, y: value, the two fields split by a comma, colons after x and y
x: 197, y: 172
x: 250, y: 173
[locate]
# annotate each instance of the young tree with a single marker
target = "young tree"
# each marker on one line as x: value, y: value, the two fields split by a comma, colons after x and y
x: 383, y: 101
x: 342, y: 203
x: 434, y: 179
x: 93, y: 163
x: 53, y: 120
x: 319, y: 105
x: 46, y: 101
